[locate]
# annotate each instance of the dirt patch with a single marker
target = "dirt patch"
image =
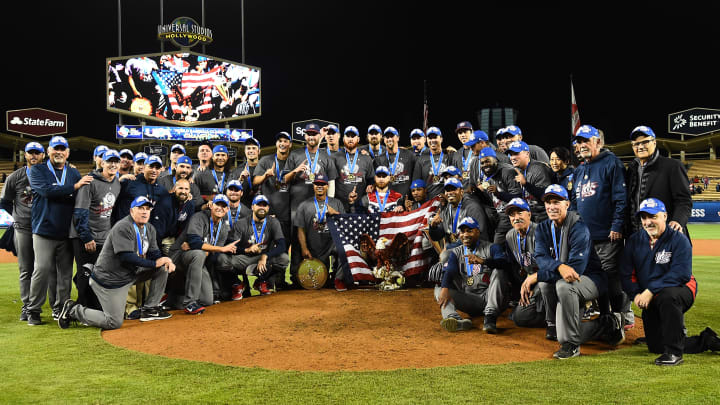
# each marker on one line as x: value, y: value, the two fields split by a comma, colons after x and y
x: 706, y: 247
x: 7, y: 257
x: 326, y: 330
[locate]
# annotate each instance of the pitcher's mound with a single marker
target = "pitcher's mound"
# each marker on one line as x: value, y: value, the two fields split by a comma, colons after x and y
x: 328, y: 330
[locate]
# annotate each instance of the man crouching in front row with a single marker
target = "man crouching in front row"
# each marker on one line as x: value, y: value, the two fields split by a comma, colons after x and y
x: 130, y: 254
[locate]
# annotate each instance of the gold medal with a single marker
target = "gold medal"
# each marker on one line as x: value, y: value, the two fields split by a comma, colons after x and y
x: 470, y: 281
x: 392, y: 179
x: 351, y: 177
x: 436, y: 179
x: 311, y: 177
x: 466, y: 175
x: 569, y: 185
x: 485, y: 185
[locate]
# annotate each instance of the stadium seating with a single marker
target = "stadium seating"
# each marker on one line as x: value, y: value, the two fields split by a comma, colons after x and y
x: 701, y: 168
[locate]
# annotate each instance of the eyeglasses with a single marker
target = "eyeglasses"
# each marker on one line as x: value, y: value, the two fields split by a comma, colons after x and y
x: 645, y: 143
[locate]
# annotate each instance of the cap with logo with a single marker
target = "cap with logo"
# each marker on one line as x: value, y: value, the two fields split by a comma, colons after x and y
x: 220, y: 149
x: 419, y: 183
x: 651, y: 206
x: 179, y: 147
x: 100, y: 150
x: 221, y: 198
x: 374, y: 128
x: 587, y: 132
x: 452, y: 182
x: 283, y: 134
x: 252, y: 141
x: 487, y: 152
x: 451, y: 170
x: 463, y: 126
x: 184, y: 160
x: 312, y: 128
x: 140, y: 156
x: 382, y: 169
x: 58, y: 141
x: 468, y: 222
x: 34, y: 146
x: 260, y: 198
x: 140, y: 201
x: 481, y: 135
x: 434, y: 131
x: 555, y: 190
x: 110, y: 154
x: 517, y: 203
x: 351, y: 130
x: 235, y: 183
x: 417, y: 132
x: 320, y: 179
x: 333, y: 128
x: 508, y: 132
x: 518, y: 146
x: 153, y: 160
x: 390, y: 130
x: 642, y: 130
x: 127, y: 152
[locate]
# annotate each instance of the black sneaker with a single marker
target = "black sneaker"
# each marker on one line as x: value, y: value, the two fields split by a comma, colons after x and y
x: 23, y: 315
x: 64, y: 319
x: 56, y: 314
x: 153, y: 314
x: 614, y: 333
x: 567, y: 351
x: 668, y: 359
x: 489, y: 324
x: 34, y: 319
x: 551, y: 333
x: 135, y: 314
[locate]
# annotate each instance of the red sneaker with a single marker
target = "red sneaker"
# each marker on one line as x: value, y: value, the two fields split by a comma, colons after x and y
x: 264, y: 288
x: 340, y: 286
x: 237, y: 292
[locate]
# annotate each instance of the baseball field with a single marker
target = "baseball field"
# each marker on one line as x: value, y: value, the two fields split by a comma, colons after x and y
x: 49, y: 365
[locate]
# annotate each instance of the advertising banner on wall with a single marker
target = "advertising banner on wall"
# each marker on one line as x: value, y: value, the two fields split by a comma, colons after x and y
x: 695, y: 121
x: 181, y: 134
x: 705, y: 211
x: 36, y: 122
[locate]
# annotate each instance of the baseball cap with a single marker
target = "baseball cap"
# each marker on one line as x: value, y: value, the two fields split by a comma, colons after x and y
x: 391, y: 130
x: 320, y: 179
x: 463, y: 125
x: 382, y: 169
x: 100, y: 150
x: 351, y: 129
x: 373, y: 128
x: 283, y: 134
x: 333, y: 127
x: 312, y: 127
x: 651, y: 206
x: 556, y: 190
x: 140, y: 156
x: 416, y: 132
x: 34, y: 146
x: 140, y: 201
x: 252, y: 141
x: 517, y: 203
x: 220, y: 149
x: 587, y: 132
x: 58, y: 141
x: 487, y: 151
x: 474, y: 138
x: 518, y: 146
x: 184, y: 160
x: 508, y: 131
x: 176, y: 147
x: 481, y: 135
x: 468, y: 222
x: 109, y: 154
x: 260, y: 198
x: 152, y: 159
x: 419, y: 183
x: 452, y: 182
x: 127, y: 152
x: 642, y: 130
x: 451, y: 170
x: 434, y: 130
x: 235, y: 183
x: 221, y: 198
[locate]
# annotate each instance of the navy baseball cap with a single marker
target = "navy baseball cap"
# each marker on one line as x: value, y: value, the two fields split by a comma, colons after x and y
x: 312, y: 127
x: 390, y: 130
x: 100, y: 150
x: 433, y: 131
x: 518, y: 146
x: 517, y: 203
x: 374, y: 128
x: 260, y: 198
x: 220, y: 149
x: 417, y: 132
x: 487, y: 151
x: 127, y: 152
x: 252, y: 141
x: 468, y: 222
x: 140, y: 156
x: 34, y: 146
x: 451, y: 170
x: 320, y: 179
x: 452, y: 182
x: 651, y: 206
x: 419, y: 183
x: 221, y: 198
x: 109, y: 154
x: 58, y: 141
x: 184, y: 160
x: 283, y: 134
x: 176, y: 147
x: 235, y: 183
x: 587, y: 132
x: 642, y: 130
x: 140, y: 201
x: 352, y: 130
x: 152, y: 159
x: 333, y: 127
x: 556, y: 190
x: 382, y: 169
x: 463, y: 125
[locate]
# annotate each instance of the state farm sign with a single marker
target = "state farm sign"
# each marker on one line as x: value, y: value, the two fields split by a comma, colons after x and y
x: 36, y: 122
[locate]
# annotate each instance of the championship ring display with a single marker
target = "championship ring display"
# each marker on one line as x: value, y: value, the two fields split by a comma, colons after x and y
x: 312, y: 274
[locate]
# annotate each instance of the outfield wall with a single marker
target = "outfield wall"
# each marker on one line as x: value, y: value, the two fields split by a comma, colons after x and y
x: 705, y: 211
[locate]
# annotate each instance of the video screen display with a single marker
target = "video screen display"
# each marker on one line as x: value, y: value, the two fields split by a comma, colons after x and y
x: 182, y: 88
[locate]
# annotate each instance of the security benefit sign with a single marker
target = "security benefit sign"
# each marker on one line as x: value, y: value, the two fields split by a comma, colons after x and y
x: 36, y: 122
x: 298, y: 127
x: 695, y: 121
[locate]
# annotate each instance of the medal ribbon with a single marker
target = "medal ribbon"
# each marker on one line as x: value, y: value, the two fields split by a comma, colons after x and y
x: 393, y: 168
x: 236, y: 216
x: 217, y: 234
x: 373, y: 153
x: 384, y: 201
x: 258, y: 239
x: 436, y: 168
x: 468, y: 269
x: 221, y: 184
x: 314, y: 163
x: 457, y: 214
x: 249, y: 178
x: 351, y: 168
x: 555, y: 244
x: 521, y: 250
x: 466, y: 162
x: 139, y: 239
x: 321, y: 215
x: 61, y: 180
x: 524, y: 192
x: 278, y: 179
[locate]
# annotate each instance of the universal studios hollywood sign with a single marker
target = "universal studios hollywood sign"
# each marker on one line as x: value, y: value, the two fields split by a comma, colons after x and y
x: 184, y: 32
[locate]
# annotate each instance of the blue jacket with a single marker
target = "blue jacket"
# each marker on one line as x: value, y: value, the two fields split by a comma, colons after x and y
x: 600, y: 197
x: 667, y: 264
x: 52, y: 206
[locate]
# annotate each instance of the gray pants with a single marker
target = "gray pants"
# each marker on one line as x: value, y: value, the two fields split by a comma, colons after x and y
x: 26, y: 264
x: 198, y: 284
x: 242, y: 264
x: 490, y: 301
x: 532, y: 315
x: 52, y: 257
x: 564, y: 300
x: 113, y: 302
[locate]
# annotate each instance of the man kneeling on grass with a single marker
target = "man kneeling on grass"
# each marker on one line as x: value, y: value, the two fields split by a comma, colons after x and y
x: 130, y: 254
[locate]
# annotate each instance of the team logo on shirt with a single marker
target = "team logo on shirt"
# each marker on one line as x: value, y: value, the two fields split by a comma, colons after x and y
x: 663, y: 257
x: 587, y: 189
x: 106, y: 205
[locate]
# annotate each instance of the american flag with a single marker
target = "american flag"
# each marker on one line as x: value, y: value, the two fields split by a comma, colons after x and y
x: 347, y: 228
x: 193, y: 80
x: 168, y: 80
x: 574, y: 113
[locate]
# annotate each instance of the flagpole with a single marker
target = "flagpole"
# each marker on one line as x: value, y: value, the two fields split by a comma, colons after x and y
x: 425, y: 107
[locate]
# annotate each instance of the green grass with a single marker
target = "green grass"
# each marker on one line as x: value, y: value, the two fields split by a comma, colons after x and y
x: 49, y: 365
x: 704, y: 231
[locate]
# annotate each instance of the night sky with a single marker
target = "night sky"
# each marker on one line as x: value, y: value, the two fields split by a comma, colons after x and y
x: 364, y: 62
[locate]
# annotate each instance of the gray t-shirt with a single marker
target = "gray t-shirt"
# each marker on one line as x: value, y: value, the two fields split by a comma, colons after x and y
x: 424, y: 170
x: 402, y: 170
x: 277, y: 191
x: 199, y: 226
x: 98, y: 198
x: 236, y: 215
x: 17, y: 190
x: 109, y: 270
x: 244, y: 231
x: 301, y: 187
x: 205, y: 181
x: 317, y: 234
x: 362, y: 174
